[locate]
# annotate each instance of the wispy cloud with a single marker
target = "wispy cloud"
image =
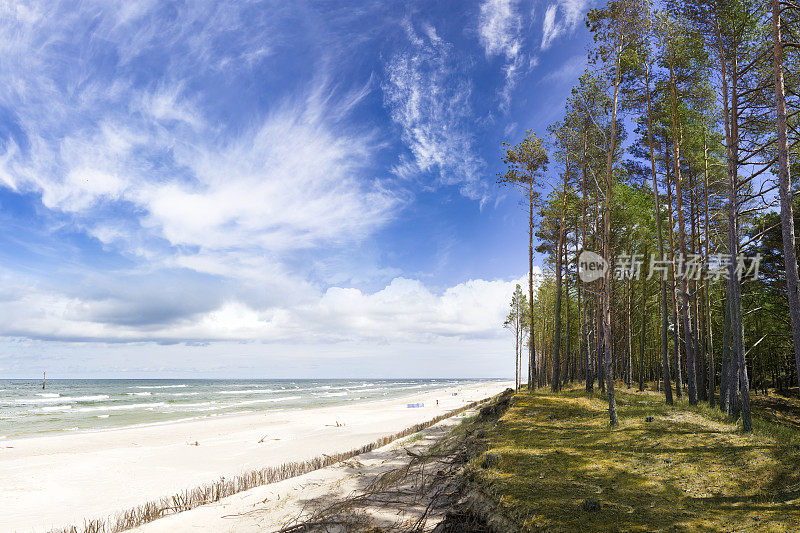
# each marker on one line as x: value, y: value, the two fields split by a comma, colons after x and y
x: 571, y: 13
x: 147, y: 169
x: 212, y: 190
x: 428, y: 96
x: 499, y: 28
x: 293, y: 179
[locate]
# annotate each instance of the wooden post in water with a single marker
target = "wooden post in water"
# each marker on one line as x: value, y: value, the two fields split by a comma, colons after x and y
x: 44, y: 378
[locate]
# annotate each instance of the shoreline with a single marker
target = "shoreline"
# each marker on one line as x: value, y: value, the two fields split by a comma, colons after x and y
x: 96, y: 474
x: 6, y: 437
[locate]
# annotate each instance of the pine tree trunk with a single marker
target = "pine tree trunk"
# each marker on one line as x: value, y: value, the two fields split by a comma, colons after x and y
x: 556, y: 381
x: 734, y: 285
x: 787, y: 217
x: 662, y: 282
x: 707, y: 284
x: 644, y: 327
x: 532, y: 346
x: 606, y: 299
x: 675, y: 323
x: 686, y: 320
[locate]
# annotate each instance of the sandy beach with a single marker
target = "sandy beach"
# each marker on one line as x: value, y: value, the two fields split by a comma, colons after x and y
x: 271, y: 507
x: 60, y: 480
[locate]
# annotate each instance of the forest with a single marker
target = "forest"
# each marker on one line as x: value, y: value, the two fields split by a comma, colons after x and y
x: 671, y: 173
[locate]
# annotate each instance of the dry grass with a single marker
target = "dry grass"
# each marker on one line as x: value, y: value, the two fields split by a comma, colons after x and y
x: 687, y: 470
x: 215, y: 491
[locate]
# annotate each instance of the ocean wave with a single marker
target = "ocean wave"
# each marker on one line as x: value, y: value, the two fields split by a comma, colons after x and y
x: 326, y: 394
x: 200, y: 404
x: 159, y: 386
x: 120, y: 407
x: 55, y: 408
x: 62, y: 399
x: 364, y: 389
x: 269, y: 400
x: 248, y: 391
x: 138, y: 393
x: 180, y: 393
x: 48, y: 394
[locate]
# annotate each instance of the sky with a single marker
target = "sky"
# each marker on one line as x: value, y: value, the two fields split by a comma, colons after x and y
x: 267, y: 188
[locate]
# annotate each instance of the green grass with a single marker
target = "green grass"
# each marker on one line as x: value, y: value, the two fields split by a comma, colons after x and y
x: 688, y: 470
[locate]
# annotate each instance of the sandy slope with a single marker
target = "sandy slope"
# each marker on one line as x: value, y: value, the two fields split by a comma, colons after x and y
x: 55, y: 481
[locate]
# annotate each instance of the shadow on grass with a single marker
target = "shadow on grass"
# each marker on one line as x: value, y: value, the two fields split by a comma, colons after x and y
x: 679, y: 472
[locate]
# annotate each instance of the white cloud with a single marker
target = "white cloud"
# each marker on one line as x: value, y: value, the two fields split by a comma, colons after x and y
x: 148, y: 170
x: 404, y: 311
x: 173, y: 188
x: 499, y: 29
x: 429, y: 97
x: 571, y: 11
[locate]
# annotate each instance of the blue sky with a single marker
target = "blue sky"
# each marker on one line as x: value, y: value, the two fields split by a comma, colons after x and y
x: 270, y: 188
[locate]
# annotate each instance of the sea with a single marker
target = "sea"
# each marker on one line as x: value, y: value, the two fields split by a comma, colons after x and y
x: 75, y: 405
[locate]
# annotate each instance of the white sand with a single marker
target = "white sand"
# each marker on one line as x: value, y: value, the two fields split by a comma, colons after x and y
x: 270, y: 507
x: 47, y: 482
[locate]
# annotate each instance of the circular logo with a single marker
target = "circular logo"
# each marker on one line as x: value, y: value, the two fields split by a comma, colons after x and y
x: 591, y: 266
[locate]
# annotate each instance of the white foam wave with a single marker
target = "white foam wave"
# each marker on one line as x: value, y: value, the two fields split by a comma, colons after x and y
x: 199, y: 404
x: 63, y: 399
x: 121, y: 407
x: 159, y: 386
x: 55, y: 408
x: 269, y: 400
x: 248, y: 391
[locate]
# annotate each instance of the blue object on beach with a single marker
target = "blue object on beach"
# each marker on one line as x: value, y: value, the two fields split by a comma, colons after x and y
x: 413, y: 405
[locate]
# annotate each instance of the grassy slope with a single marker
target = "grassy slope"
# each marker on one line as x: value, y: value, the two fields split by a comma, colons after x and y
x: 687, y: 470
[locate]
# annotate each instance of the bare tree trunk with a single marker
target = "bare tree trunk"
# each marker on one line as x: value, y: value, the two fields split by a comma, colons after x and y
x: 687, y: 325
x: 644, y: 328
x: 532, y: 346
x: 516, y: 357
x: 660, y: 238
x: 724, y: 397
x: 734, y: 284
x: 567, y: 358
x: 707, y: 285
x: 629, y: 369
x: 606, y: 300
x: 585, y: 316
x: 673, y: 286
x: 556, y: 381
x: 787, y: 217
x: 697, y: 323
